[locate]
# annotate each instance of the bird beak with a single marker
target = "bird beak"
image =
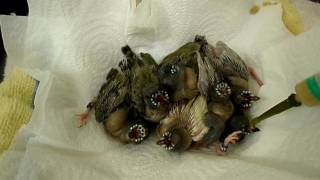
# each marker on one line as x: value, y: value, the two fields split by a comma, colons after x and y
x: 254, y: 98
x: 160, y: 142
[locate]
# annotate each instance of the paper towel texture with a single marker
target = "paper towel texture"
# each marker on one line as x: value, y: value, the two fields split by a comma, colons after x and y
x: 79, y: 41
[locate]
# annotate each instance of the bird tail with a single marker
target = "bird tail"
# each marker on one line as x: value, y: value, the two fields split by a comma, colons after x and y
x: 112, y: 74
x: 131, y: 57
x: 200, y: 39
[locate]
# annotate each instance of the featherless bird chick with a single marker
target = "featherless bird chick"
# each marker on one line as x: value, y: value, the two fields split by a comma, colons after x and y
x: 178, y: 72
x: 234, y: 70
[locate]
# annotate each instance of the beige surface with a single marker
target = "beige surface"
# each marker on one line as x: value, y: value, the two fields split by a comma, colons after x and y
x: 79, y: 43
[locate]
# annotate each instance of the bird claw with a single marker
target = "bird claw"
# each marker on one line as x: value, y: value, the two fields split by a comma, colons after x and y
x: 233, y: 138
x: 250, y: 130
x: 224, y: 147
x: 219, y: 149
x: 83, y: 119
x: 255, y: 76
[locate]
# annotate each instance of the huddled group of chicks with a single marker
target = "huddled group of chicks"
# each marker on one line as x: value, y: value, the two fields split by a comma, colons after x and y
x: 198, y: 96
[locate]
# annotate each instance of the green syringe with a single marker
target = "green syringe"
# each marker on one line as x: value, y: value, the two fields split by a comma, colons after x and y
x: 307, y: 93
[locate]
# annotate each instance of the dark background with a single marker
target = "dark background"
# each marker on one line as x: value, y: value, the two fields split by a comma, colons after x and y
x: 7, y: 7
x: 2, y: 57
x: 20, y: 8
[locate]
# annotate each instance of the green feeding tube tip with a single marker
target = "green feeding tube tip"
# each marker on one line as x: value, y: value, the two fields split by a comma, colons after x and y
x: 307, y: 93
x: 279, y: 108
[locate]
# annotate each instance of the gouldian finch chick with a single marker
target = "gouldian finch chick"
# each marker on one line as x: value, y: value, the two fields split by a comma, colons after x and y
x: 234, y: 70
x: 179, y: 72
x: 147, y: 95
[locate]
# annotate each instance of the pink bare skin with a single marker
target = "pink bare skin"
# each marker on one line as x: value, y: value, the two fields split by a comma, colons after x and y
x: 233, y: 138
x: 255, y: 76
x: 83, y: 117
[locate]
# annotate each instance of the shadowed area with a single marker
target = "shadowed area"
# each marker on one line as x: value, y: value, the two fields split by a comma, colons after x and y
x: 2, y: 57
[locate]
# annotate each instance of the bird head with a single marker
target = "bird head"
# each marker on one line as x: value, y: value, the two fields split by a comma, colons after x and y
x: 137, y: 132
x: 172, y: 66
x: 200, y: 40
x: 219, y: 92
x: 245, y: 99
x: 156, y: 101
x: 175, y: 140
x: 170, y: 74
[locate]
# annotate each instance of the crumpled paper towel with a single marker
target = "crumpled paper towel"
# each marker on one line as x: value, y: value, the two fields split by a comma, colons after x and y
x: 75, y: 44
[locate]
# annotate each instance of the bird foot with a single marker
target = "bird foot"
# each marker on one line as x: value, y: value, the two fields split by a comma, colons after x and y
x: 251, y: 130
x: 255, y: 76
x: 83, y: 118
x: 198, y: 146
x: 218, y: 149
x: 232, y: 138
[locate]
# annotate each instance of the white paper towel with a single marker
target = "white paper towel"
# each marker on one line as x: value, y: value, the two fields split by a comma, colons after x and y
x: 78, y: 42
x: 309, y: 11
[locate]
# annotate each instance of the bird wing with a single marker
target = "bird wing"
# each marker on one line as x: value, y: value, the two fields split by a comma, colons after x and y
x: 232, y: 63
x: 209, y: 68
x: 203, y: 79
x: 190, y: 116
x: 148, y: 60
x: 142, y: 78
x: 111, y: 95
x: 194, y: 116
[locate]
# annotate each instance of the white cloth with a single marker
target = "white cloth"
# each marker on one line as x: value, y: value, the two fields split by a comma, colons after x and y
x: 74, y: 44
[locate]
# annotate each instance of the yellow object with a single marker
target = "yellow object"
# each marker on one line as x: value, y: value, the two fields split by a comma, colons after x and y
x: 254, y: 10
x: 16, y: 97
x: 268, y: 3
x: 291, y: 17
x: 308, y: 91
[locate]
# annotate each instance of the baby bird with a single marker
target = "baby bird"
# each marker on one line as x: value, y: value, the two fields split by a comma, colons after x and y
x: 187, y: 126
x: 112, y: 105
x: 135, y: 130
x: 238, y: 122
x: 184, y: 124
x: 128, y: 98
x: 212, y: 85
x: 178, y: 72
x: 233, y: 69
x: 148, y: 97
